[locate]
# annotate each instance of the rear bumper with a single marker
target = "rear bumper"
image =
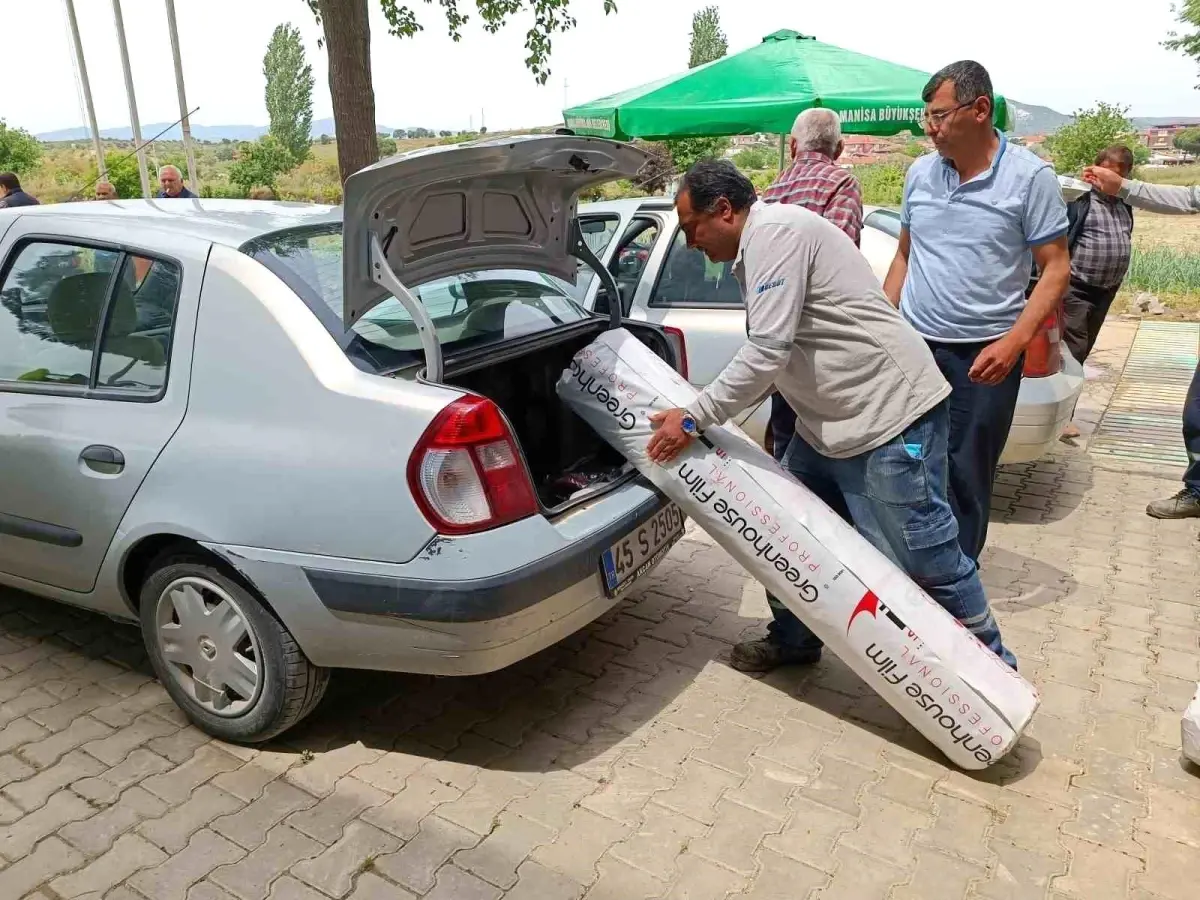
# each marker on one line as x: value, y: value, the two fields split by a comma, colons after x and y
x: 443, y: 613
x: 1044, y: 407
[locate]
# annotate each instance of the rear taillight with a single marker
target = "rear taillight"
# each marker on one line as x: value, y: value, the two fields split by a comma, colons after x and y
x: 466, y: 472
x: 680, y: 345
x: 1043, y: 356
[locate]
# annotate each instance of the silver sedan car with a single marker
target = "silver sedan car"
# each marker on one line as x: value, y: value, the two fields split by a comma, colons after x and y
x: 700, y: 305
x: 286, y: 438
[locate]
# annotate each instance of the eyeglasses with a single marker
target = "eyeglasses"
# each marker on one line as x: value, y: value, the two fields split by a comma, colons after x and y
x: 938, y: 119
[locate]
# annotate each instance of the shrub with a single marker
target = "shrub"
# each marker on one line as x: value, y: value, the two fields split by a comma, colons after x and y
x: 882, y: 184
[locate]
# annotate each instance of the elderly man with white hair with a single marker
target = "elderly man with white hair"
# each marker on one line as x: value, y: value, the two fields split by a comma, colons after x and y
x: 814, y: 180
x: 173, y: 187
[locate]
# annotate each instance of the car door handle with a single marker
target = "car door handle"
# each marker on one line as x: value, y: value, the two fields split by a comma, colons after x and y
x: 99, y: 454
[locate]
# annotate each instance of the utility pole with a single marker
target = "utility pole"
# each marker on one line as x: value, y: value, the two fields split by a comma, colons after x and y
x: 134, y: 124
x: 81, y: 67
x: 185, y: 124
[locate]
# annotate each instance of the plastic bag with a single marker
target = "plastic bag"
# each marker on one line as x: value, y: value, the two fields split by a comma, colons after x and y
x: 907, y: 648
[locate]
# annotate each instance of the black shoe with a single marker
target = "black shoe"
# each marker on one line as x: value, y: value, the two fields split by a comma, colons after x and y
x: 765, y: 654
x: 1184, y: 505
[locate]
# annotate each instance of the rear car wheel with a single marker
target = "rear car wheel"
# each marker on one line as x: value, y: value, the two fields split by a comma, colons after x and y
x: 228, y: 663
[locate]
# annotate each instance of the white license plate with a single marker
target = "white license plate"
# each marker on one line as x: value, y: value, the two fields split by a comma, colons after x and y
x: 637, y: 552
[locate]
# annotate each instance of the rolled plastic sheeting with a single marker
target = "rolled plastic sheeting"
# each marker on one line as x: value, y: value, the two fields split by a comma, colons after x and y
x: 917, y: 656
x: 1190, y: 726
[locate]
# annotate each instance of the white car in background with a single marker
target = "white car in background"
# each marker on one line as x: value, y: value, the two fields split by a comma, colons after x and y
x: 700, y: 306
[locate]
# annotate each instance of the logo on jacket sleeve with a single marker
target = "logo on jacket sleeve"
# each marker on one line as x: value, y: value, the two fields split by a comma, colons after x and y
x: 769, y: 285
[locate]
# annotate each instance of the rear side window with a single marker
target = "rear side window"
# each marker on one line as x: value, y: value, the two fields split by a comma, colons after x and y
x: 469, y: 310
x: 688, y: 279
x: 77, y: 318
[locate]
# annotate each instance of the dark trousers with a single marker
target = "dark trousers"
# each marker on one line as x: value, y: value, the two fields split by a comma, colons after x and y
x: 980, y: 417
x: 1086, y: 307
x: 1191, y: 434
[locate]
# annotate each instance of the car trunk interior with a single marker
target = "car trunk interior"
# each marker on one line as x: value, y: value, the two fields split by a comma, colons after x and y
x: 567, y: 459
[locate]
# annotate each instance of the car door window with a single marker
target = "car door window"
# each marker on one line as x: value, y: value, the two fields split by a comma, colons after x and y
x: 598, y: 233
x: 629, y: 261
x: 137, y: 335
x: 54, y: 298
x: 689, y: 279
x: 885, y: 220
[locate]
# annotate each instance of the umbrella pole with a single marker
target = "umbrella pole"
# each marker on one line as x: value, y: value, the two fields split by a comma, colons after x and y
x: 782, y: 151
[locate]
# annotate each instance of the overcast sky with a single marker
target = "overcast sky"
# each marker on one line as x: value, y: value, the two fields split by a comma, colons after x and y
x: 1058, y: 53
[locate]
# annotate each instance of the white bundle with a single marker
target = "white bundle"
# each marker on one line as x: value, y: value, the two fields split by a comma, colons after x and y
x: 907, y: 648
x: 1190, y: 728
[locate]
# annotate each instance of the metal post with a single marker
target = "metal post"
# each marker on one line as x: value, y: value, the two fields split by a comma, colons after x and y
x: 185, y: 125
x: 782, y: 152
x: 87, y: 91
x: 135, y: 125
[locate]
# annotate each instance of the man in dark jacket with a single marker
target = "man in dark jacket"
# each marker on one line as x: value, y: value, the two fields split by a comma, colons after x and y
x: 1100, y: 239
x: 11, y: 194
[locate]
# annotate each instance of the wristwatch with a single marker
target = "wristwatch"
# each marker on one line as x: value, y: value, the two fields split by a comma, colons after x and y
x: 688, y: 424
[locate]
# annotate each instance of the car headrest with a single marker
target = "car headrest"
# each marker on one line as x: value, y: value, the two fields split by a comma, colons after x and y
x: 75, y: 305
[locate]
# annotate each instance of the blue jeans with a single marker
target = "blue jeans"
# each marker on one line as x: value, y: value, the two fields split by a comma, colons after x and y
x: 1191, y: 434
x: 980, y: 418
x: 895, y: 496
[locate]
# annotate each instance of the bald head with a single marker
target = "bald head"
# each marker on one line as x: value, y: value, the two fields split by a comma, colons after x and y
x: 105, y: 191
x: 819, y: 131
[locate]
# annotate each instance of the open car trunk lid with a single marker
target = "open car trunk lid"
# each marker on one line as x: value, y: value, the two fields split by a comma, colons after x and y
x: 502, y: 203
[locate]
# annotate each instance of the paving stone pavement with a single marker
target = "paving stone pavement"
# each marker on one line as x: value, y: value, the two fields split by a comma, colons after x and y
x: 630, y: 762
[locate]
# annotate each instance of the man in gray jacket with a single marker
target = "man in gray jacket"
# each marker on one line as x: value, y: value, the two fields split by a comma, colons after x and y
x: 871, y: 415
x: 1161, y: 198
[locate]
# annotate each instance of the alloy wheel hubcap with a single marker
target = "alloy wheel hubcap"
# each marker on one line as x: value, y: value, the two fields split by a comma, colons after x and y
x: 208, y: 646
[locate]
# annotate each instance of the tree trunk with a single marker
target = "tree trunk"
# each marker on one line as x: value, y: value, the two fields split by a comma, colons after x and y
x: 348, y: 46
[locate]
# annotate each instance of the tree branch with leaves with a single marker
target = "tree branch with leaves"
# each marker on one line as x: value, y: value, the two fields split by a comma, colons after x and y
x: 347, y: 38
x: 1188, y: 43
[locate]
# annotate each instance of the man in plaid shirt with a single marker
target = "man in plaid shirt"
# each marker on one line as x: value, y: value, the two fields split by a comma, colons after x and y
x: 816, y: 182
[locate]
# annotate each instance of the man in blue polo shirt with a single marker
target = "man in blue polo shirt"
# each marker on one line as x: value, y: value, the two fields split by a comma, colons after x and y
x: 975, y: 215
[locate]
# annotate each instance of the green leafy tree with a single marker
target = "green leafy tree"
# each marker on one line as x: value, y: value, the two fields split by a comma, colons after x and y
x: 1187, y: 42
x: 289, y: 92
x: 347, y: 38
x: 387, y: 145
x: 20, y: 151
x: 1074, y: 146
x: 1188, y: 140
x: 259, y: 163
x: 708, y: 42
x: 754, y: 158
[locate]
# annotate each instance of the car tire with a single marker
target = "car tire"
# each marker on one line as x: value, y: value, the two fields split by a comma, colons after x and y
x: 224, y: 658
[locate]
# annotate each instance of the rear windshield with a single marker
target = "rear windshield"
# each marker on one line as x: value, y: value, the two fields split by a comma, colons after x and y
x: 468, y: 310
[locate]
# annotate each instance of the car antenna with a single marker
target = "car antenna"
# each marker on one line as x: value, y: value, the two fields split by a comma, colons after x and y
x: 136, y: 150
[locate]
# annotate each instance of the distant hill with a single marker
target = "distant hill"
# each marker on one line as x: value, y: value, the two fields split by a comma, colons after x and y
x: 214, y: 133
x: 1029, y: 119
x: 1164, y: 120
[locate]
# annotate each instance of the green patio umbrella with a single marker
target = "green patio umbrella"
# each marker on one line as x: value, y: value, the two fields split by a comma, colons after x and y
x: 763, y: 89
